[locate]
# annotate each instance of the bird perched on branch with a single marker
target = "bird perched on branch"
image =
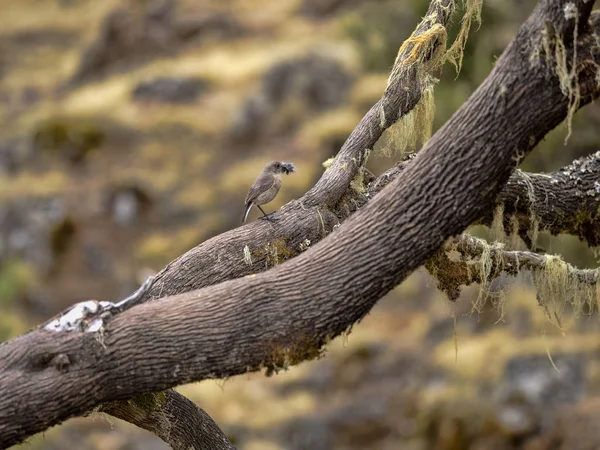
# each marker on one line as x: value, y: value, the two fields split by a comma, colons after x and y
x: 266, y: 186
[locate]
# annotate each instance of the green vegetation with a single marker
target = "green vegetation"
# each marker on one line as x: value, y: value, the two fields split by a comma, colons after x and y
x: 16, y: 278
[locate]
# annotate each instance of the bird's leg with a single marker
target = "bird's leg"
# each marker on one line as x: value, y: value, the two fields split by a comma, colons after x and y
x: 266, y: 216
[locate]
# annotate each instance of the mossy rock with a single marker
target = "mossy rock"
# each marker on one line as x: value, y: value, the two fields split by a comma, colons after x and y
x: 61, y: 235
x: 72, y: 139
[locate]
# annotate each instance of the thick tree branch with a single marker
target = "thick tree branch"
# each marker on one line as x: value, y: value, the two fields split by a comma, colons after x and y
x: 563, y: 202
x: 566, y: 201
x: 286, y: 314
x: 173, y: 418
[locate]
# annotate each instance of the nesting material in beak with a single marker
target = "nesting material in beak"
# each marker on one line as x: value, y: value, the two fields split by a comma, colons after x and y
x: 287, y: 167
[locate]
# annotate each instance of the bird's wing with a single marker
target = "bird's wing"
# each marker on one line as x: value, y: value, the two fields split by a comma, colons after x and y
x: 262, y: 184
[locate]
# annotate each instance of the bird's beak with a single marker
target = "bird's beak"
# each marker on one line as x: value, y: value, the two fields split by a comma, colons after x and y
x: 287, y: 167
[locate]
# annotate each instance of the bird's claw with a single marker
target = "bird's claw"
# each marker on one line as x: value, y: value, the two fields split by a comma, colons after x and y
x: 269, y: 218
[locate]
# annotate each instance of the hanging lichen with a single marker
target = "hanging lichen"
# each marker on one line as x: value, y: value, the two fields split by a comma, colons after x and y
x: 560, y: 285
x: 425, y: 51
x: 563, y: 291
x: 413, y: 128
x: 454, y: 55
x: 557, y: 57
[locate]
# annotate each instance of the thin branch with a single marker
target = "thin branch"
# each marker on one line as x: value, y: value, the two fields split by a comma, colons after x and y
x: 566, y: 201
x: 420, y: 55
x: 466, y: 259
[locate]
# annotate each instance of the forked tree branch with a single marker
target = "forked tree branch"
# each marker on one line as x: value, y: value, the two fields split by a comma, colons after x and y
x: 563, y: 202
x: 306, y: 221
x: 286, y: 314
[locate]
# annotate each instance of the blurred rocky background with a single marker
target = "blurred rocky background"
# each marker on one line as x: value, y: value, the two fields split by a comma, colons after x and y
x: 130, y: 132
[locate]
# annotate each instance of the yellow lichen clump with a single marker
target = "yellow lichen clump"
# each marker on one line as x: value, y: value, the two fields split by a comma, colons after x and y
x: 426, y: 50
x: 275, y: 252
x: 358, y: 182
x: 327, y: 163
x: 413, y: 128
x: 559, y: 285
x: 419, y: 47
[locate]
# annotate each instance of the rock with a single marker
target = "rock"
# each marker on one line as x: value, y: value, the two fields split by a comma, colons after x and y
x: 125, y: 208
x: 365, y: 422
x: 132, y: 35
x: 306, y: 85
x: 14, y: 153
x: 127, y: 203
x: 170, y: 90
x: 26, y: 228
x: 519, y: 419
x: 533, y: 391
x: 542, y: 384
x: 324, y: 8
x: 362, y: 422
x: 576, y: 429
x: 307, y: 433
x: 320, y: 81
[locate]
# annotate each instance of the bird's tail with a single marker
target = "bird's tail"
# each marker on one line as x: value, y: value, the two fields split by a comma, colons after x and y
x: 248, y: 207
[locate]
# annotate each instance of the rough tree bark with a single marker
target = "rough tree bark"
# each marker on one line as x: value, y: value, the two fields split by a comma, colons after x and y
x: 173, y: 418
x: 563, y: 202
x: 286, y: 314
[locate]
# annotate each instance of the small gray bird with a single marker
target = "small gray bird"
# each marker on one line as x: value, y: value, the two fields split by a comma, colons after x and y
x: 266, y: 186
